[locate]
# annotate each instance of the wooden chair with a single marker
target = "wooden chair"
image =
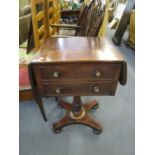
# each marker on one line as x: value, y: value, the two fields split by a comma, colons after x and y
x: 39, y: 22
x: 53, y: 15
x: 44, y: 10
x: 93, y: 20
x: 82, y: 15
x: 90, y: 20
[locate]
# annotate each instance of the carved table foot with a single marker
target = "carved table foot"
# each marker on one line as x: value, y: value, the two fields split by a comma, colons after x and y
x: 67, y: 120
x: 77, y: 115
x: 65, y: 105
x: 91, y: 105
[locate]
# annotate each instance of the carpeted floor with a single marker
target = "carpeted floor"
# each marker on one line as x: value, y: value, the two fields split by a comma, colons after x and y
x: 115, y: 114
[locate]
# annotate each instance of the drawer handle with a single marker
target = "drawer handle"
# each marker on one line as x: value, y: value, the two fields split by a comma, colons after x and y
x: 97, y: 73
x: 56, y: 74
x: 58, y: 90
x: 96, y: 89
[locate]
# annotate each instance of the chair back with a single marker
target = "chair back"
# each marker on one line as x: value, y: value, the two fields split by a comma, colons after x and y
x: 92, y: 19
x: 53, y: 8
x: 38, y: 22
x: 83, y: 10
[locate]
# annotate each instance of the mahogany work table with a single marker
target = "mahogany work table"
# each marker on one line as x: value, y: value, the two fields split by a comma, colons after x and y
x: 76, y: 66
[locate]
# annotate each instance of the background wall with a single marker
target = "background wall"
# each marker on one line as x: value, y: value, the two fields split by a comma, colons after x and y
x: 22, y: 3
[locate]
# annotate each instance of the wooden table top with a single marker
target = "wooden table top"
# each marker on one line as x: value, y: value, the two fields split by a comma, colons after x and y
x: 76, y: 49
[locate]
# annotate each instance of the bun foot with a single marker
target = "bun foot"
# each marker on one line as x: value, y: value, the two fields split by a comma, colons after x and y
x: 95, y: 131
x: 60, y: 106
x: 96, y: 106
x: 57, y: 130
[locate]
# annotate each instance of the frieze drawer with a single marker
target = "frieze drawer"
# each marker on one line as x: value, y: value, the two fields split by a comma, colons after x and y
x: 73, y: 89
x: 76, y: 71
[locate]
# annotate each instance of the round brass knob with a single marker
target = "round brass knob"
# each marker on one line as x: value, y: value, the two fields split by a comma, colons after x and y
x: 58, y: 90
x: 96, y: 89
x: 97, y: 73
x: 56, y: 74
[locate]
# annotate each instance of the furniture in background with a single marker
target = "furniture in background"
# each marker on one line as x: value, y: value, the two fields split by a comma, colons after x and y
x: 123, y: 23
x: 91, y: 21
x: 60, y: 68
x: 44, y: 13
x: 24, y: 84
x: 70, y: 14
x: 111, y: 10
x: 53, y: 15
x: 34, y: 42
x: 117, y: 15
x: 131, y: 40
x: 24, y: 28
x: 25, y: 91
x: 24, y: 23
x: 70, y: 11
x: 39, y: 26
x: 102, y: 31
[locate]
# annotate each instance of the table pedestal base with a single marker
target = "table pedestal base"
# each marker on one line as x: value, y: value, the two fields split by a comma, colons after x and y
x: 77, y: 114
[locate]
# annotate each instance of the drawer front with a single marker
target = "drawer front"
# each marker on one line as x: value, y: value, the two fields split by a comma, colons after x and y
x: 78, y: 89
x: 78, y: 72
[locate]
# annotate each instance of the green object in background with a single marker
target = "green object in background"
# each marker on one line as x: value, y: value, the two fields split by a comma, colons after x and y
x: 74, y: 6
x: 69, y: 4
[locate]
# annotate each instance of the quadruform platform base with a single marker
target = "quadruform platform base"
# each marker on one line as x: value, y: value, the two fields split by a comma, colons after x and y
x: 77, y: 114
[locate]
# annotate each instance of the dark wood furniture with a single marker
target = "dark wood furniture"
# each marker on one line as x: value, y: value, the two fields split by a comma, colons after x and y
x: 66, y: 13
x: 123, y: 23
x: 61, y: 68
x: 70, y: 13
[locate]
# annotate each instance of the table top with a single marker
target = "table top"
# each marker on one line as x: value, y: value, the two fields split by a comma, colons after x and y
x: 76, y: 49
